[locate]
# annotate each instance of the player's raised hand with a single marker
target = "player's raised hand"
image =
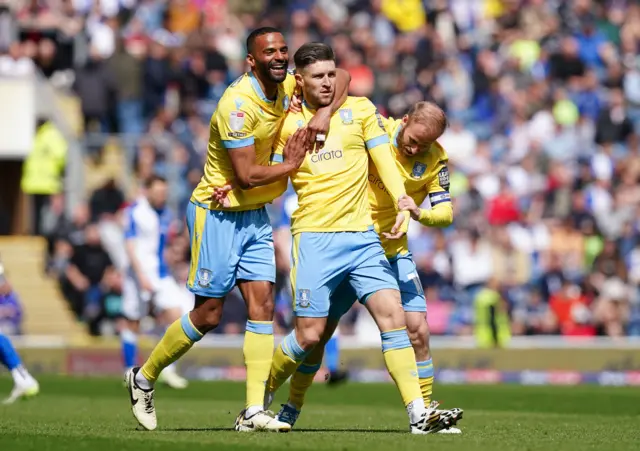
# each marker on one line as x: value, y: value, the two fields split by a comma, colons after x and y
x: 399, y: 228
x: 406, y: 203
x: 296, y: 148
x: 295, y: 106
x: 318, y: 128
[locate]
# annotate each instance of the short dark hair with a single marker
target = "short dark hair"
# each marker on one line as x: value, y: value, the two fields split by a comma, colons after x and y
x: 251, y: 39
x: 148, y: 183
x: 313, y: 52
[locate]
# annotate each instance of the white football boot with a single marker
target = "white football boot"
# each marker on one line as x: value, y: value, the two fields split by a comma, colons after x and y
x: 142, y: 405
x: 433, y: 421
x: 262, y: 421
x: 22, y: 391
x: 456, y: 415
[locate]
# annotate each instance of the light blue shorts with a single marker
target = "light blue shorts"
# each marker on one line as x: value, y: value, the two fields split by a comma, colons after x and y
x: 324, y: 261
x: 227, y: 246
x: 411, y: 292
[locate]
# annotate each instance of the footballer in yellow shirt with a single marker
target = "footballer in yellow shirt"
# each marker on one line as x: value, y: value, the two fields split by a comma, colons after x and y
x: 422, y: 164
x: 236, y: 247
x: 335, y: 245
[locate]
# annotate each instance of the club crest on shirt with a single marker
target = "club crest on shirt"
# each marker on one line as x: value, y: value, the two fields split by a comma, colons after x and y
x: 204, y: 277
x: 236, y: 120
x: 285, y: 103
x: 346, y: 115
x: 304, y: 298
x: 418, y: 170
x: 300, y: 123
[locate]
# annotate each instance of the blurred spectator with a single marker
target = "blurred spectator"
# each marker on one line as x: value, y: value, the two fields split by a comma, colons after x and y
x: 87, y: 278
x: 95, y: 86
x: 106, y: 201
x: 43, y: 170
x: 10, y: 308
x: 543, y: 98
x: 15, y: 63
x: 571, y: 310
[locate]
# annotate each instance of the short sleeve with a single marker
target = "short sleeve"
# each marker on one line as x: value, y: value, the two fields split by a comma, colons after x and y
x: 236, y: 122
x: 289, y: 84
x: 375, y: 134
x: 292, y: 122
x: 438, y: 188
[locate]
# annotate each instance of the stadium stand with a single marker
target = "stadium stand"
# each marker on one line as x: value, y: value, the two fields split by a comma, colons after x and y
x: 543, y: 99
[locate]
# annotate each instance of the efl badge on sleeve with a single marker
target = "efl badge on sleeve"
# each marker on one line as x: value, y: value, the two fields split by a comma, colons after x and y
x: 304, y: 298
x: 285, y: 103
x: 418, y: 170
x: 236, y: 120
x: 380, y: 121
x: 443, y: 178
x: 204, y: 277
x: 347, y: 116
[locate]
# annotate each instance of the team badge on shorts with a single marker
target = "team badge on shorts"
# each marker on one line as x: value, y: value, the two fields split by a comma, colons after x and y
x: 236, y: 120
x: 285, y: 103
x: 304, y: 298
x: 204, y: 278
x: 418, y: 170
x: 346, y: 115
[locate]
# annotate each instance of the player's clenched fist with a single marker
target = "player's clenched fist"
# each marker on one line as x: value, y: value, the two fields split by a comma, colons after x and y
x: 406, y: 203
x: 318, y: 128
x: 296, y: 148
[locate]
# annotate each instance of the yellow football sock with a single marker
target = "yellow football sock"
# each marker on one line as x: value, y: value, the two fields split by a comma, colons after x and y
x: 425, y: 375
x: 286, y: 359
x: 177, y: 340
x: 258, y: 354
x: 300, y: 383
x: 401, y: 363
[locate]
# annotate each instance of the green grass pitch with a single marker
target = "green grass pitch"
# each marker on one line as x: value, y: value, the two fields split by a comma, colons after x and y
x: 93, y: 414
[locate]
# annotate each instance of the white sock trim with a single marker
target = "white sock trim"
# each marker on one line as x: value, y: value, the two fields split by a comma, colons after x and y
x: 415, y: 409
x: 142, y: 381
x: 252, y: 410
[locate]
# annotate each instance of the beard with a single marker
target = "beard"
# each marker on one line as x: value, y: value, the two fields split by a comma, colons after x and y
x: 266, y: 72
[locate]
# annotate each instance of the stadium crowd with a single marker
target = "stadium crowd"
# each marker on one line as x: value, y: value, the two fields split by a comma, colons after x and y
x: 543, y: 99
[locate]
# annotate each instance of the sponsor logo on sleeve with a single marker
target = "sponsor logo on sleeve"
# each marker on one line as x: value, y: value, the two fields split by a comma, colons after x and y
x: 443, y: 178
x: 236, y: 120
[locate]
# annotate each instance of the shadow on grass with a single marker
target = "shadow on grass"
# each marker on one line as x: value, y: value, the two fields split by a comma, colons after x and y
x: 364, y: 431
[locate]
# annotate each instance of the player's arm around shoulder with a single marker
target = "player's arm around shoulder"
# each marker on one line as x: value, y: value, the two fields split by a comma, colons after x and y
x: 237, y: 120
x: 286, y: 153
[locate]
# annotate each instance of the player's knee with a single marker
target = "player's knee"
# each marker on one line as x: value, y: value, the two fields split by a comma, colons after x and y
x: 262, y: 310
x: 207, y: 315
x: 418, y: 334
x: 309, y: 337
x: 388, y: 311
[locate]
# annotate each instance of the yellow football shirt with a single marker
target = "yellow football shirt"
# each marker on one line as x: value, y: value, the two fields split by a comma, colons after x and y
x: 424, y: 174
x: 244, y: 116
x: 332, y: 185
